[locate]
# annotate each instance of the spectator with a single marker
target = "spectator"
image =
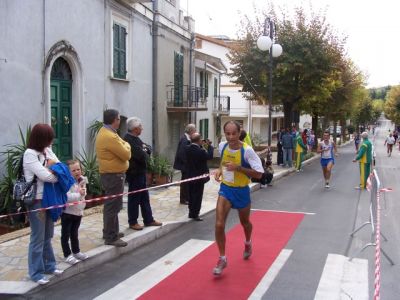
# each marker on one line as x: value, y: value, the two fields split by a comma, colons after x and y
x: 279, y: 146
x: 180, y: 162
x: 364, y: 157
x: 136, y: 177
x: 311, y: 140
x: 113, y: 155
x: 287, y: 148
x: 72, y: 215
x: 300, y: 149
x: 357, y: 141
x: 197, y: 158
x: 36, y: 160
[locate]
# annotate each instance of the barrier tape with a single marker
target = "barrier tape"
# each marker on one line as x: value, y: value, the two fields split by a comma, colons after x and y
x: 377, y: 282
x: 108, y: 197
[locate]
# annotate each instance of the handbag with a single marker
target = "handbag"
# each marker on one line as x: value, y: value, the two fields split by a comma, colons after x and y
x: 24, y: 192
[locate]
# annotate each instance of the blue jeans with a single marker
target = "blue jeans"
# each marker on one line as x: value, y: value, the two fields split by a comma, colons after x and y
x: 41, y: 258
x: 287, y: 157
x: 138, y: 182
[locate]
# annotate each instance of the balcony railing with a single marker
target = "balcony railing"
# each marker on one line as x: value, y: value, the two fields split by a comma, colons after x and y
x: 222, y: 105
x: 186, y: 98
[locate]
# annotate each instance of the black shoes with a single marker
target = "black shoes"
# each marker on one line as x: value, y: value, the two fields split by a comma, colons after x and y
x: 196, y: 218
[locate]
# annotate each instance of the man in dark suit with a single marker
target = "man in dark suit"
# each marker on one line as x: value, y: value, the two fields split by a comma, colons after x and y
x: 197, y: 157
x: 180, y: 161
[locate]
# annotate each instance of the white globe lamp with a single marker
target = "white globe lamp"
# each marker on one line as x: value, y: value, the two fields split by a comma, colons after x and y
x: 264, y: 43
x: 276, y: 50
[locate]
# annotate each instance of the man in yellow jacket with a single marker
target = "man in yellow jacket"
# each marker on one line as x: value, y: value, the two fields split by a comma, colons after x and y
x: 113, y: 155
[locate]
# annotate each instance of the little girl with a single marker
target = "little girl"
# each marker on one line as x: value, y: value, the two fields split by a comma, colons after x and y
x: 72, y: 215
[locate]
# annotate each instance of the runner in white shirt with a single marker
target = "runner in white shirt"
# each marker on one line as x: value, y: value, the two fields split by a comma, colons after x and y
x: 328, y: 150
x: 390, y: 142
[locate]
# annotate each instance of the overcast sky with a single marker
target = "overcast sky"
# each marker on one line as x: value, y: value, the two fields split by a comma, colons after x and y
x: 372, y: 28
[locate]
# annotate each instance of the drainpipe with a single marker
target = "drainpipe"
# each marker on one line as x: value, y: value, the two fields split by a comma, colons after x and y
x: 191, y: 73
x: 154, y: 75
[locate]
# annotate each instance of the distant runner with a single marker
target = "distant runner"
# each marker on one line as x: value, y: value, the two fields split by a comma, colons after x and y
x: 389, y: 142
x: 328, y: 149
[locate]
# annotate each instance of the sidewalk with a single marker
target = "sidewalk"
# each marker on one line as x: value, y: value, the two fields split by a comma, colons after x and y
x: 165, y: 206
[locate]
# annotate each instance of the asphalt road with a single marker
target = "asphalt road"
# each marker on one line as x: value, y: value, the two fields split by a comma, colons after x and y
x: 334, y: 214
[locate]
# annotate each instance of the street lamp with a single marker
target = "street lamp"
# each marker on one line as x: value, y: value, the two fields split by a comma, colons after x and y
x: 264, y: 43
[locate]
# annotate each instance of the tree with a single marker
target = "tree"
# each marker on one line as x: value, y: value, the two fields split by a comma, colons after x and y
x: 302, y: 75
x: 392, y: 104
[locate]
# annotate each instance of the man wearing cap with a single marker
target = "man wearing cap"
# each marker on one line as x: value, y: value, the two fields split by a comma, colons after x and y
x: 364, y: 157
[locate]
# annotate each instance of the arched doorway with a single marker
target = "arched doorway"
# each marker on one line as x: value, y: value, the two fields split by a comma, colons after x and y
x: 61, y: 108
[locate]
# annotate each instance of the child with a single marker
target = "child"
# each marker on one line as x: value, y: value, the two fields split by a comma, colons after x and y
x: 72, y: 215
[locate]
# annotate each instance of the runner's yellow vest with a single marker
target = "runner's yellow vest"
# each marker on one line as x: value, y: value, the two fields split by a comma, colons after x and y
x: 236, y: 157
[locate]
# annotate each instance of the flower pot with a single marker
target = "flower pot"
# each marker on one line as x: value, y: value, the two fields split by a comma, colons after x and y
x: 160, y: 179
x: 149, y: 179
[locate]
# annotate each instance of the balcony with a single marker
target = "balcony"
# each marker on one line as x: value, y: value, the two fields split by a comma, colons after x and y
x: 221, y: 105
x: 186, y: 99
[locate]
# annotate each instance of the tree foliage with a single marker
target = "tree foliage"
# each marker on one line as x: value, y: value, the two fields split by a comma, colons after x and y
x: 392, y: 104
x: 313, y: 74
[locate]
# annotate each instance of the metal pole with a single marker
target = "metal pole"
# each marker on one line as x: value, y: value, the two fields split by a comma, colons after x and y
x: 271, y: 35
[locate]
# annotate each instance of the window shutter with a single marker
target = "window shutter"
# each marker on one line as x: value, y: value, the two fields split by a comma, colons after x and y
x: 205, y: 136
x: 206, y: 83
x: 119, y: 48
x: 215, y: 87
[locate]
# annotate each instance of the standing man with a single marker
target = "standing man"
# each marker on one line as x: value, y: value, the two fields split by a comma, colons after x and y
x: 113, y: 155
x: 136, y: 177
x: 328, y: 149
x: 300, y: 148
x: 197, y: 158
x: 239, y: 163
x: 287, y: 148
x: 364, y: 157
x: 180, y: 162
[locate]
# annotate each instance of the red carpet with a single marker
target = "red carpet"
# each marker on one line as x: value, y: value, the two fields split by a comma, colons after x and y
x: 194, y: 280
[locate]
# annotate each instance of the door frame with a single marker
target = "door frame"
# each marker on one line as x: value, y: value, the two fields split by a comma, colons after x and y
x: 79, y: 125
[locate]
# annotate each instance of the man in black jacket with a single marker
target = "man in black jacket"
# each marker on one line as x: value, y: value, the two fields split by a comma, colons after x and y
x: 196, y: 165
x: 180, y: 161
x: 136, y: 177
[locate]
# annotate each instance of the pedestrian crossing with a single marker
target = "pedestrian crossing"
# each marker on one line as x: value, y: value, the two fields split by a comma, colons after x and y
x: 340, y: 279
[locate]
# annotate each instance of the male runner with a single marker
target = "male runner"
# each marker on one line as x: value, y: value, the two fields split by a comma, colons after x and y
x: 328, y: 149
x: 239, y: 163
x: 390, y: 141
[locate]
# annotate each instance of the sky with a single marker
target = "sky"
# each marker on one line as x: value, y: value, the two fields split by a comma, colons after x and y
x: 372, y: 28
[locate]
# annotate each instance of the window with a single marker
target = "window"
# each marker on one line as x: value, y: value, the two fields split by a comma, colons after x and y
x: 119, y: 51
x: 178, y: 79
x: 204, y: 128
x: 204, y: 82
x: 215, y: 87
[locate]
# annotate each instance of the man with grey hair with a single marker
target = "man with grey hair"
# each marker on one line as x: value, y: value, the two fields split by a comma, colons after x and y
x: 136, y: 177
x: 364, y: 157
x: 180, y: 162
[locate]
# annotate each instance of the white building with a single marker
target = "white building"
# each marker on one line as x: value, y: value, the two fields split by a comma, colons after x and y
x: 253, y: 117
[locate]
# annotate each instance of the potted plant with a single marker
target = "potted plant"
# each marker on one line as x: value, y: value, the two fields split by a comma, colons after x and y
x: 13, y: 155
x: 162, y: 170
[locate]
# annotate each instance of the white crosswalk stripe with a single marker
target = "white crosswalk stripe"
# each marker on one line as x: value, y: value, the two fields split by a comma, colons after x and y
x: 343, y: 279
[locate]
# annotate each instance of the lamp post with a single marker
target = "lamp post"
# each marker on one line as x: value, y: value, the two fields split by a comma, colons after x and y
x: 264, y: 43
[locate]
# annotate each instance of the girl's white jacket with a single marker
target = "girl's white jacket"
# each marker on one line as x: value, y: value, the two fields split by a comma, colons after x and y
x: 73, y: 196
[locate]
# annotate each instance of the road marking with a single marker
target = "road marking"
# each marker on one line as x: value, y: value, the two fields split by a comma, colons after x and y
x: 269, y: 277
x: 284, y: 211
x: 145, y: 279
x: 343, y: 279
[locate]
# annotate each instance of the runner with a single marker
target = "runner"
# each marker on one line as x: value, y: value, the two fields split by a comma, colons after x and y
x: 239, y: 162
x: 390, y: 141
x: 328, y: 149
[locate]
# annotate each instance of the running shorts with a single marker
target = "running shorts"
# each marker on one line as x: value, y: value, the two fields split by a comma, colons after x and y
x: 239, y: 197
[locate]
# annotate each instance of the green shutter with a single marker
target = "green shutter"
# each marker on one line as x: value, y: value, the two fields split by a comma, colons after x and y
x: 206, y: 83
x: 119, y: 49
x: 178, y: 79
x: 215, y: 87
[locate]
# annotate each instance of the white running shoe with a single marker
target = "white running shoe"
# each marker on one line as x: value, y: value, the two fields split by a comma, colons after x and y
x: 221, y: 264
x: 80, y: 256
x: 71, y: 260
x: 43, y: 281
x: 58, y: 272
